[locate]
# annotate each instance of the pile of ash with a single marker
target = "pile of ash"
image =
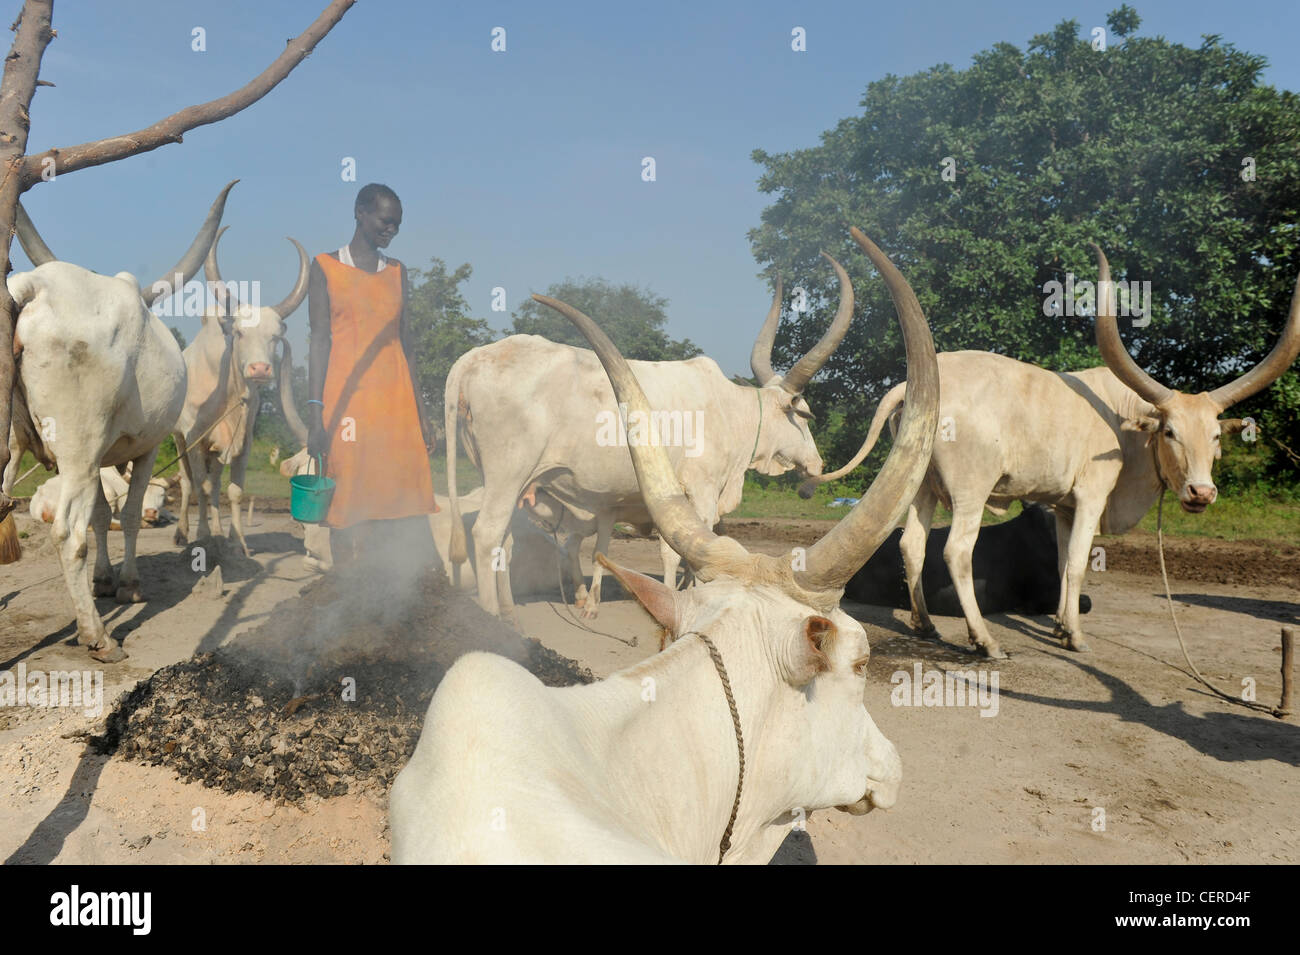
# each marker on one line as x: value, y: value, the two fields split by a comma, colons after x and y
x: 326, y: 697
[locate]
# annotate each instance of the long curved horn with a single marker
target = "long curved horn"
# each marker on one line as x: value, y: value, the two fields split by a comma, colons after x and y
x: 192, y: 260
x: 836, y: 557
x: 285, y: 307
x: 798, y: 377
x: 760, y: 358
x: 671, y: 512
x: 224, y: 295
x: 1271, y: 368
x: 33, y: 245
x: 1113, y: 352
x: 287, y: 405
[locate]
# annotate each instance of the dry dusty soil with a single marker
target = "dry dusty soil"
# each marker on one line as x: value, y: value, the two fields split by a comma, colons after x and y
x: 1115, y: 756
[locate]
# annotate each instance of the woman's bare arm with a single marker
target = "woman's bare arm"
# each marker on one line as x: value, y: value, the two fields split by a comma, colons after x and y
x: 318, y: 357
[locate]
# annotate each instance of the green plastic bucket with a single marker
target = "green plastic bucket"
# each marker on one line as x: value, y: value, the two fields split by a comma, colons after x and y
x: 310, y: 494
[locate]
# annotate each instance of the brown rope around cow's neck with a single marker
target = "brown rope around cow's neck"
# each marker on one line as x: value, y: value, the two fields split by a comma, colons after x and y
x: 725, y: 843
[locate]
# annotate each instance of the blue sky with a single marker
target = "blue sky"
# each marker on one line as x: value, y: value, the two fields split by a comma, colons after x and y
x: 527, y: 163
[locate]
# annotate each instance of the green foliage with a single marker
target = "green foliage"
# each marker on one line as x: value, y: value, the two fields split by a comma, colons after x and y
x: 1139, y: 147
x: 633, y: 318
x: 441, y: 328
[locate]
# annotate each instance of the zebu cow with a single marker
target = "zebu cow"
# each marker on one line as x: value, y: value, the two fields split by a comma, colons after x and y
x: 507, y: 770
x: 45, y: 499
x: 100, y: 383
x: 228, y: 363
x: 533, y: 413
x: 1013, y: 568
x: 1099, y: 445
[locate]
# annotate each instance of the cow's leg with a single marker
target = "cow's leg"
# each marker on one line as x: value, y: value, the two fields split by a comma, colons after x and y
x: 199, y: 461
x: 214, y: 468
x: 101, y: 516
x: 235, y: 491
x: 604, y: 530
x: 1064, y: 528
x: 128, y: 584
x: 573, y: 555
x: 505, y: 593
x: 77, y: 501
x: 957, y: 555
x: 490, y: 529
x: 182, y: 535
x: 671, y: 560
x: 1086, y: 516
x: 916, y: 533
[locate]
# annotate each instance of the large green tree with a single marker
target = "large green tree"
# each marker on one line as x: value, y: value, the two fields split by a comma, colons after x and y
x: 442, y: 328
x: 633, y: 317
x: 1180, y: 162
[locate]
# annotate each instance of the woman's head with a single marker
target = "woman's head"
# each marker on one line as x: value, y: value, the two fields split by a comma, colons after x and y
x: 378, y: 213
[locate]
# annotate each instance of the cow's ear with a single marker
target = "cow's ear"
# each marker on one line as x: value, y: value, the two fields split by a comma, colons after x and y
x: 1145, y: 423
x: 658, y: 600
x: 812, y: 650
x: 1232, y: 426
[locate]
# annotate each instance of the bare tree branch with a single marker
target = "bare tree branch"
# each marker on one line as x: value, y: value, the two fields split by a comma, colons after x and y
x: 171, y: 129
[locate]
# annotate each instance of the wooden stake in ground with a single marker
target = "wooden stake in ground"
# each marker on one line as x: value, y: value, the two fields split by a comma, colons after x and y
x: 1288, y: 663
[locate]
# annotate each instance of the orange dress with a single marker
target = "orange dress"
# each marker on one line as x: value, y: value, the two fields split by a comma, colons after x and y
x: 376, y: 451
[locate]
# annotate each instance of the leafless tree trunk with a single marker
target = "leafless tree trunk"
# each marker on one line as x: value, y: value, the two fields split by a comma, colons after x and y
x: 21, y: 171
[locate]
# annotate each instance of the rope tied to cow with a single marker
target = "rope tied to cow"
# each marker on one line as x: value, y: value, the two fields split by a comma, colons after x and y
x: 718, y: 665
x: 206, y: 431
x: 1169, y: 597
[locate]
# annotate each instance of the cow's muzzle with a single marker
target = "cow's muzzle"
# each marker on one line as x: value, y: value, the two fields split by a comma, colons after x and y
x: 1197, y: 497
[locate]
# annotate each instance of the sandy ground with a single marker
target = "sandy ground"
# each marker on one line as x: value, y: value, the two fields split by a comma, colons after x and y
x: 1109, y: 757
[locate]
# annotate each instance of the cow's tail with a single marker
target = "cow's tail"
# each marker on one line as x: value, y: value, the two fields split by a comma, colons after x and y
x: 457, y: 553
x: 889, y: 404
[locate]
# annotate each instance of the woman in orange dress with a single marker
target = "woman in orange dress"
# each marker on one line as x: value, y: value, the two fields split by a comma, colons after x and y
x: 366, y: 415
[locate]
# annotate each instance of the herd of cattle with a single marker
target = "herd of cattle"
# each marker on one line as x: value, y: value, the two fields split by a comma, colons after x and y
x: 763, y: 654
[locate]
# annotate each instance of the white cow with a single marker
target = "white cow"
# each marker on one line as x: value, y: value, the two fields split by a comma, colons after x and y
x: 507, y: 770
x: 532, y: 413
x: 101, y: 381
x: 1099, y: 445
x: 116, y: 485
x: 228, y: 362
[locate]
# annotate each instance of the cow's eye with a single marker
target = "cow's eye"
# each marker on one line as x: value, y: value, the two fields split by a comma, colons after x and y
x: 860, y: 665
x: 1169, y: 433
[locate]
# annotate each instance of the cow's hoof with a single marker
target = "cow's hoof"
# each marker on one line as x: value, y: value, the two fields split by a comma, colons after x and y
x: 928, y: 632
x: 180, y: 538
x: 104, y: 587
x: 993, y: 652
x: 129, y: 594
x: 93, y: 640
x: 113, y: 653
x: 589, y: 612
x: 1076, y: 643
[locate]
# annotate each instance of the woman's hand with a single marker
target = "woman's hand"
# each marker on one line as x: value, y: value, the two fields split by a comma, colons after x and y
x: 317, y: 440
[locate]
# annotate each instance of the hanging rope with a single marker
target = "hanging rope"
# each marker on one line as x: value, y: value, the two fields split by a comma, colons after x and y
x: 1160, y: 542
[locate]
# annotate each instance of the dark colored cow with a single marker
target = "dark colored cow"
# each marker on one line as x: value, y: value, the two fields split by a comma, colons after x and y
x: 1014, y: 566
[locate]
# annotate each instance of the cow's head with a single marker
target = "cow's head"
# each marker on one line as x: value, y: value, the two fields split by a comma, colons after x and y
x: 253, y: 329
x: 797, y: 662
x: 1186, y: 429
x: 784, y: 440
